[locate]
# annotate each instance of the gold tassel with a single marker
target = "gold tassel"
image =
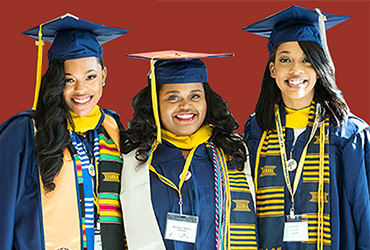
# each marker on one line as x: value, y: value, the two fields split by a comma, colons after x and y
x: 40, y: 44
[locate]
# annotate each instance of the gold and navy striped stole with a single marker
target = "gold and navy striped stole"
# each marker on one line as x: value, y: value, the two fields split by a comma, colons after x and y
x: 242, y: 231
x: 270, y: 201
x: 313, y: 190
x: 270, y: 145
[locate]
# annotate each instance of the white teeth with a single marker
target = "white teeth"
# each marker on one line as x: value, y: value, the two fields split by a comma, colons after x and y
x: 295, y: 81
x: 82, y: 100
x: 184, y: 116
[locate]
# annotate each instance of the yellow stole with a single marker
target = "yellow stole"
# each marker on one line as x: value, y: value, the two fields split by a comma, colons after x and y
x: 85, y: 123
x: 188, y: 142
x: 296, y: 118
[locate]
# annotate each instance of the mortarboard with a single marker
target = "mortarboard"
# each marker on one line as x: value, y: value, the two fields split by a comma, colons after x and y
x: 172, y: 66
x: 295, y: 24
x: 72, y: 38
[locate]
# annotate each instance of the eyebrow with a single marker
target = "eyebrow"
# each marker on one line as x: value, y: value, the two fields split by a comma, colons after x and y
x: 87, y: 72
x: 284, y: 51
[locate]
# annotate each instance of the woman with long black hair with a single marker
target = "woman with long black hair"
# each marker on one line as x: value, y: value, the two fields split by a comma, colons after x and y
x: 309, y: 154
x: 60, y: 162
x: 183, y: 180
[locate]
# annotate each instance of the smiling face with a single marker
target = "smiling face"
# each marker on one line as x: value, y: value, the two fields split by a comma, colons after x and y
x: 182, y: 107
x: 84, y: 84
x: 294, y: 75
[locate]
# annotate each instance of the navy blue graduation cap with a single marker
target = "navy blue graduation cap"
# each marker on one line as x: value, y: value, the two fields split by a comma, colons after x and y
x: 72, y: 38
x: 295, y: 24
x: 172, y: 66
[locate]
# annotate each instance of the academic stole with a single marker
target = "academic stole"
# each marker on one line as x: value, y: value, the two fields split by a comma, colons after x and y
x: 234, y: 218
x: 109, y: 175
x: 312, y: 197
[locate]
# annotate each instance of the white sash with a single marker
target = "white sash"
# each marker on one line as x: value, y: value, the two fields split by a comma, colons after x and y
x: 141, y: 227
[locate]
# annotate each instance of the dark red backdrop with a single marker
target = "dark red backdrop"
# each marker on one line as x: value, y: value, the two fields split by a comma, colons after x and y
x: 199, y: 26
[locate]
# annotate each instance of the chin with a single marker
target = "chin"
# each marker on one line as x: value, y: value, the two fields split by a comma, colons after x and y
x: 83, y: 112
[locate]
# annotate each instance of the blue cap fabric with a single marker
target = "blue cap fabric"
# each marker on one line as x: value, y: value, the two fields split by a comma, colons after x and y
x: 172, y: 66
x: 74, y: 38
x: 293, y: 24
x: 170, y: 71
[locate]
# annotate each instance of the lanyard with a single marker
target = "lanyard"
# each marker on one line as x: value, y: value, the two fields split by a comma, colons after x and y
x: 284, y: 157
x: 82, y: 152
x: 167, y: 181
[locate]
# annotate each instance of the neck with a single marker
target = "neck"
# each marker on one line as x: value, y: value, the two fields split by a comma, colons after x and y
x: 297, y: 104
x: 185, y: 153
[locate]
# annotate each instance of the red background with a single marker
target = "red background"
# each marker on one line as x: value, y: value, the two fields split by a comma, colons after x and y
x: 196, y: 26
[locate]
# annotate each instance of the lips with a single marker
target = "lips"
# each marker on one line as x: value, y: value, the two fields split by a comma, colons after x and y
x: 186, y: 117
x: 82, y: 100
x: 296, y: 82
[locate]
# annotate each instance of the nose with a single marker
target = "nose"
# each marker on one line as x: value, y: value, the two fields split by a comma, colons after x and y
x: 296, y: 68
x: 79, y: 85
x: 185, y: 104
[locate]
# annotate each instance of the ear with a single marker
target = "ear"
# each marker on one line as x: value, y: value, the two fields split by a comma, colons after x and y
x: 272, y: 69
x: 104, y: 75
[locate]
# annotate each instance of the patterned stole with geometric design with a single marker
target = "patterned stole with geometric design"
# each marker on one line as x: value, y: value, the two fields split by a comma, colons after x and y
x: 273, y: 200
x: 110, y: 167
x: 235, y: 215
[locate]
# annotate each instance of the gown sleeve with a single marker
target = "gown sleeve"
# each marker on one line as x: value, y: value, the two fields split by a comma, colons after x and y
x: 356, y: 159
x: 17, y: 172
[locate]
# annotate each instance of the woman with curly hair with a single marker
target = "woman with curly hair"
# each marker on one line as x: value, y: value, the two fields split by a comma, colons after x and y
x: 60, y: 162
x: 183, y: 179
x: 310, y: 156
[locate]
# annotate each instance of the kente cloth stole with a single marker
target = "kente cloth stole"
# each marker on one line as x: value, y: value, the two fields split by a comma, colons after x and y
x: 109, y: 169
x: 234, y: 217
x: 313, y: 192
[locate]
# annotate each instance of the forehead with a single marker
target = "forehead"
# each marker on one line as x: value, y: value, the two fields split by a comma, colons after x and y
x: 81, y: 63
x: 290, y: 48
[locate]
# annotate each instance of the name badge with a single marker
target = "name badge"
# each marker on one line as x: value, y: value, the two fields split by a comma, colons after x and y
x: 97, y: 237
x: 296, y: 228
x: 181, y: 227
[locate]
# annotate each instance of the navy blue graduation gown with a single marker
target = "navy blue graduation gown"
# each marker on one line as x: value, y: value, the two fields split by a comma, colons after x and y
x: 198, y: 193
x: 349, y: 157
x: 20, y: 209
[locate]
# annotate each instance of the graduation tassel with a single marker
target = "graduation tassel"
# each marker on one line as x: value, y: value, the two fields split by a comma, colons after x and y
x: 322, y: 31
x: 40, y: 45
x: 154, y: 101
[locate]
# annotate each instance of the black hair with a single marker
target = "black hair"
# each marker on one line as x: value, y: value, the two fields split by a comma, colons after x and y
x: 140, y: 134
x: 51, y: 120
x: 326, y: 92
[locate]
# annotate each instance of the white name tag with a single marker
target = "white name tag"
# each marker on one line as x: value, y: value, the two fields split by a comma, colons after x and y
x: 97, y: 242
x: 97, y: 237
x: 296, y: 229
x: 181, y: 227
